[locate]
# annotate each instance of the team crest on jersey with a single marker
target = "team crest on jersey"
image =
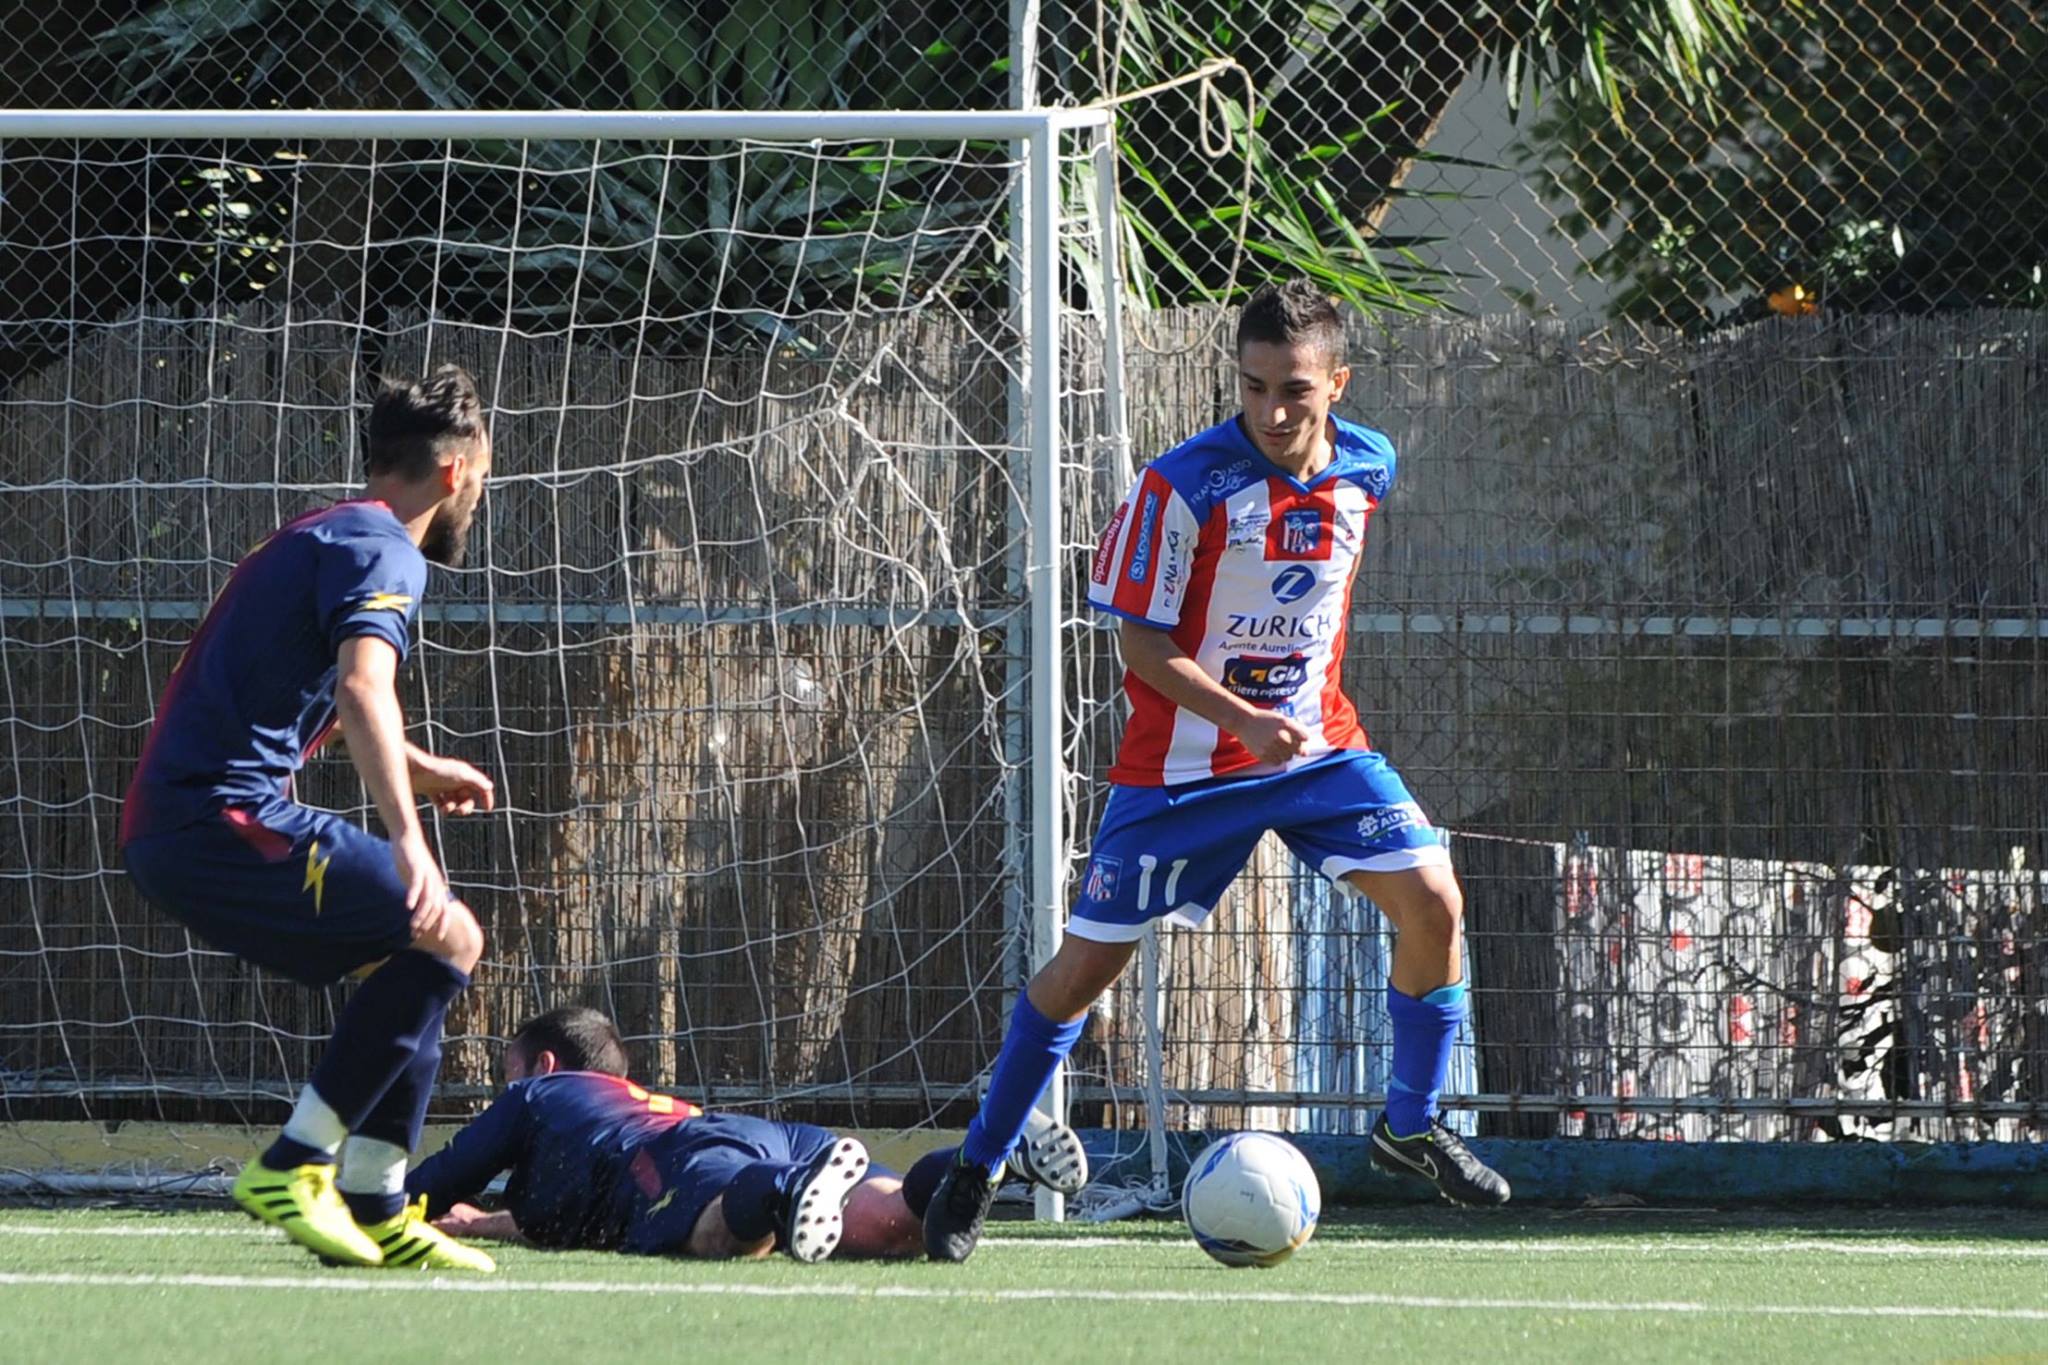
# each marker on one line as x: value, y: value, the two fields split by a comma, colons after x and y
x: 1301, y: 531
x: 1375, y: 479
x: 1102, y: 877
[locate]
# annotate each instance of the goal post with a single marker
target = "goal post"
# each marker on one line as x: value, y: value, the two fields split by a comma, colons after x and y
x: 764, y: 593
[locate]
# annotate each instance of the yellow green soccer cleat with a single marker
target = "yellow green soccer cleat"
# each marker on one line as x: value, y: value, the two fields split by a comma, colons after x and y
x: 410, y: 1242
x: 302, y: 1201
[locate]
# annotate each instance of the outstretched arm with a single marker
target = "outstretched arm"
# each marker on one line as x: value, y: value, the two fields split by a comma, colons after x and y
x: 473, y: 1158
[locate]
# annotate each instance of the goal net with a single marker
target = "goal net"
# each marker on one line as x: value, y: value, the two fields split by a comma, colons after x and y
x: 756, y: 632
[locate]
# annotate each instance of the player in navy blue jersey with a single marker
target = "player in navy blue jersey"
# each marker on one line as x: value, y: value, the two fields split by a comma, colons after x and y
x: 597, y: 1162
x: 304, y: 642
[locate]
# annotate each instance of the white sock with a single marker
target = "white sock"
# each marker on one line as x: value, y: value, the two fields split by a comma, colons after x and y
x: 315, y: 1124
x: 370, y: 1166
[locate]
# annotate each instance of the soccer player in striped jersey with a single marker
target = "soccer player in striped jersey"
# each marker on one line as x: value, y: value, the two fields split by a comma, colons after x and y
x: 306, y: 638
x: 598, y: 1163
x: 1230, y: 566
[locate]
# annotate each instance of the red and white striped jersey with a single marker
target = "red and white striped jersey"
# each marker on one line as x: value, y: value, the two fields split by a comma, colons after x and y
x: 1251, y: 571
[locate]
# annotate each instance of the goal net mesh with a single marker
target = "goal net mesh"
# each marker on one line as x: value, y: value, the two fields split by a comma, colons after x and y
x: 742, y: 632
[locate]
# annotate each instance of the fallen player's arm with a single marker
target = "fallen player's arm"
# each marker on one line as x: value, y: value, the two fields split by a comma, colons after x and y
x: 486, y: 1147
x: 467, y: 1220
x: 1150, y: 652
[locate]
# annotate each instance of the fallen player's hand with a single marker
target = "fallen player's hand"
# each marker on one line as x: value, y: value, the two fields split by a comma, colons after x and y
x: 1272, y: 737
x: 453, y: 786
x: 461, y: 1220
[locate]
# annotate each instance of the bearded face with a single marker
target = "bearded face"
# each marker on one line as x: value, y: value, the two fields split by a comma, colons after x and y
x: 447, y: 537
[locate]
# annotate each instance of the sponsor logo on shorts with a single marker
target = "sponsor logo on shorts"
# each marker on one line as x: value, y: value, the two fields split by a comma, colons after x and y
x: 1141, y: 552
x: 1266, y: 681
x: 1103, y: 872
x: 1376, y: 827
x: 1293, y: 583
x: 1105, y: 552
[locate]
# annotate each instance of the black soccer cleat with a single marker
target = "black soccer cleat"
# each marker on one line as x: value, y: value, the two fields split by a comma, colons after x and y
x: 816, y: 1219
x: 1049, y: 1154
x: 1441, y: 1157
x: 959, y: 1207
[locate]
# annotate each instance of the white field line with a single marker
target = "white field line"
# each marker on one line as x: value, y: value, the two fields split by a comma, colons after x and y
x: 1590, y: 1246
x: 389, y: 1284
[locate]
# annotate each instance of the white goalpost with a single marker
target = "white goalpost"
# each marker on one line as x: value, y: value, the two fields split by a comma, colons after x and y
x: 769, y: 630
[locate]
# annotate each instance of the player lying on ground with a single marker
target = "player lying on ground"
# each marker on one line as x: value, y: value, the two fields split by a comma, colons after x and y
x: 1231, y: 565
x: 597, y: 1162
x: 308, y: 633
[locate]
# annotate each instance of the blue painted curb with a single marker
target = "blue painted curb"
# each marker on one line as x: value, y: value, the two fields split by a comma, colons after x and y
x: 1716, y: 1174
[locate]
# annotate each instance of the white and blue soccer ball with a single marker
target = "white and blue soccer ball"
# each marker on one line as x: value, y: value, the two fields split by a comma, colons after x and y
x: 1251, y: 1199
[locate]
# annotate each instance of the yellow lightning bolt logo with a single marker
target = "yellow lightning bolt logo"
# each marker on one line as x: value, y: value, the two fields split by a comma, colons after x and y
x: 658, y: 1205
x: 316, y: 874
x: 386, y: 601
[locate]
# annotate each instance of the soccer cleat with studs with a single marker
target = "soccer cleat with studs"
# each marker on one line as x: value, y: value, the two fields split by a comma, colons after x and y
x: 816, y: 1218
x: 302, y: 1201
x: 959, y: 1208
x: 410, y: 1242
x: 1441, y: 1157
x: 1050, y: 1154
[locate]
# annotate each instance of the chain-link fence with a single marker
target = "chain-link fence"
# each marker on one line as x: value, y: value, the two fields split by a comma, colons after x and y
x: 1732, y: 617
x: 1661, y: 161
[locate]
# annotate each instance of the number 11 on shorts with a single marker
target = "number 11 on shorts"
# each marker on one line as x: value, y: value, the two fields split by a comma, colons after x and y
x: 1147, y: 864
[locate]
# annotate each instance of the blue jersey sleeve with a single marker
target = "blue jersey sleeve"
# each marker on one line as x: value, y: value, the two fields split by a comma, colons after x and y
x: 482, y: 1151
x: 370, y: 585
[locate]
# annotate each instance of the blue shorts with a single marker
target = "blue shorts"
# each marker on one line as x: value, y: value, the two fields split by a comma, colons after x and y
x: 299, y: 891
x: 1171, y: 852
x: 683, y: 1170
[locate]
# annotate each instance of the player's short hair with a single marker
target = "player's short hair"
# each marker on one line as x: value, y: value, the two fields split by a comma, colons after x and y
x: 1293, y: 313
x: 582, y: 1039
x: 414, y: 423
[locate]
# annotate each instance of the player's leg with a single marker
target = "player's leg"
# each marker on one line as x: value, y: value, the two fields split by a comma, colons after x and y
x: 880, y: 1222
x: 725, y: 1184
x: 331, y: 905
x: 1369, y: 832
x: 376, y: 1152
x: 1157, y: 855
x: 254, y: 884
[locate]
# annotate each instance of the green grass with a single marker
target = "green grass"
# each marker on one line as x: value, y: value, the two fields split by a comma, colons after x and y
x: 103, y: 1285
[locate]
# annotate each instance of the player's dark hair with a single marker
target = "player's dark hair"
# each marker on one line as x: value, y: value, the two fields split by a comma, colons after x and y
x: 582, y: 1039
x: 1293, y: 313
x: 414, y: 424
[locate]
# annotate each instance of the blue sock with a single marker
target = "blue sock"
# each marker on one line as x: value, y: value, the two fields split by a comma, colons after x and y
x: 1032, y: 1050
x: 400, y: 1113
x: 1423, y: 1032
x: 756, y: 1198
x: 373, y: 1208
x: 382, y: 1029
x: 286, y: 1153
x: 922, y: 1181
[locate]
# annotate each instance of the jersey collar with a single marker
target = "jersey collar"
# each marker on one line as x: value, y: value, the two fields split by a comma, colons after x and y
x: 1329, y: 471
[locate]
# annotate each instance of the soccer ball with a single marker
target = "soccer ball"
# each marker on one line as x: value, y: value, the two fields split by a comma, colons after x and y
x: 1251, y: 1199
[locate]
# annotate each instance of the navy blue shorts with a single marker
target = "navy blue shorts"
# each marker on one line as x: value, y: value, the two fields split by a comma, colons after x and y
x: 299, y: 891
x: 681, y: 1172
x: 1171, y: 852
